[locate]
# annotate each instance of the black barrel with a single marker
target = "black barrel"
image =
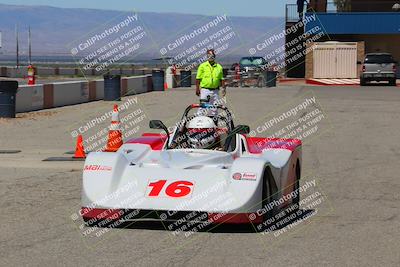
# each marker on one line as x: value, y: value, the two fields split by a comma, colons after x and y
x: 225, y: 72
x: 112, y: 87
x: 158, y: 80
x: 186, y: 78
x: 270, y: 78
x: 8, y: 91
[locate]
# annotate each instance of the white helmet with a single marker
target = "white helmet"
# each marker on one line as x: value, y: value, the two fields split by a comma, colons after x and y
x: 201, y: 132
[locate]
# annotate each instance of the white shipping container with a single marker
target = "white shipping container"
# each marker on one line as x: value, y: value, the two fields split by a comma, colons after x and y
x: 335, y: 60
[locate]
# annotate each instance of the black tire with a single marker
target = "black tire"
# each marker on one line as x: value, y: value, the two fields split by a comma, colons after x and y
x: 363, y: 82
x: 296, y: 200
x: 392, y: 82
x: 269, y: 190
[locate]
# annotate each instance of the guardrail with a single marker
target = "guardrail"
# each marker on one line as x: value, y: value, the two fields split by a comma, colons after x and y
x: 291, y: 12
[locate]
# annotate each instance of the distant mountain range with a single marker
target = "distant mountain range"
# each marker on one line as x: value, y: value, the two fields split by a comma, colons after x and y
x: 55, y: 31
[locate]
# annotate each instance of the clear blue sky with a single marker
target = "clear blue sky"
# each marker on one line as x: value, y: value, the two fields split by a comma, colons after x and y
x: 275, y: 8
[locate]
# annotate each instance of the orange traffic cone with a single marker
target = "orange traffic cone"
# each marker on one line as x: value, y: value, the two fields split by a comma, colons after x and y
x: 79, y: 151
x: 115, y: 134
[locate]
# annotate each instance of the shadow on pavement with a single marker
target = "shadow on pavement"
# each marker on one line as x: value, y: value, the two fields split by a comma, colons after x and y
x: 283, y: 222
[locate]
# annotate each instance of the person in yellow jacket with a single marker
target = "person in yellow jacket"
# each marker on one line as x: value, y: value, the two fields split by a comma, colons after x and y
x: 210, y: 80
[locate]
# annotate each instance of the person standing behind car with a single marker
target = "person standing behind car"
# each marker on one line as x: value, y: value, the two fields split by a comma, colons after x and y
x: 300, y: 8
x: 209, y: 79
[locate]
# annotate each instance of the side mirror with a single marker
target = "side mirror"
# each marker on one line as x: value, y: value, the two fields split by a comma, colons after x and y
x: 157, y: 124
x: 241, y: 129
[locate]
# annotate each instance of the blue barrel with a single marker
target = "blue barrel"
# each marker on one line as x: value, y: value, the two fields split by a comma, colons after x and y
x: 112, y: 87
x: 270, y: 78
x: 8, y: 91
x: 186, y: 78
x: 158, y: 80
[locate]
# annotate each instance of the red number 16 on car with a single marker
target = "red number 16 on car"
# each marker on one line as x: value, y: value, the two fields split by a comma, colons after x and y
x: 170, y: 189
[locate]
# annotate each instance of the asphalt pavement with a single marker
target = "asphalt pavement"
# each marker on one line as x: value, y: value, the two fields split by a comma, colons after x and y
x: 353, y: 157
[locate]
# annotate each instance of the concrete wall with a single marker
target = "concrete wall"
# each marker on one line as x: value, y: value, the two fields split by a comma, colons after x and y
x: 87, y: 72
x: 135, y: 85
x: 127, y: 72
x: 3, y: 71
x: 96, y: 90
x: 360, y: 56
x: 16, y: 73
x: 64, y: 71
x: 12, y: 72
x: 29, y: 98
x: 194, y: 78
x: 37, y: 97
x: 45, y: 71
x: 44, y: 96
x: 70, y: 93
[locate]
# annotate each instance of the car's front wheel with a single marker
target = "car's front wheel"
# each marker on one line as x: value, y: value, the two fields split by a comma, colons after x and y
x: 269, y: 191
x: 296, y: 187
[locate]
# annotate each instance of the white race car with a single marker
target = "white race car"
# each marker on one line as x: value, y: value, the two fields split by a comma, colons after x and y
x: 206, y: 170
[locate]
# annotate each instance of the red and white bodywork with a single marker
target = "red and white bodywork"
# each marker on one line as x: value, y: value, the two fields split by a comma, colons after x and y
x: 158, y: 183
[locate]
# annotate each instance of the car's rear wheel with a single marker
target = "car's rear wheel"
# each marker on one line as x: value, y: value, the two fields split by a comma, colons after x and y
x: 363, y: 82
x: 392, y: 82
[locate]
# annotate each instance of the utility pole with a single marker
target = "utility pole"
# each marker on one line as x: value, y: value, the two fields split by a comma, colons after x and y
x: 30, y: 45
x: 17, y: 40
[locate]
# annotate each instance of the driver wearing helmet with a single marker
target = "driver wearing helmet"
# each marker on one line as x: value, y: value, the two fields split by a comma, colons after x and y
x: 202, y: 133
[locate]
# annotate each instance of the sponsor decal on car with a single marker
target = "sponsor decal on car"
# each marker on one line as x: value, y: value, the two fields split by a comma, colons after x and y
x: 249, y: 176
x: 237, y: 176
x: 97, y: 168
x: 245, y: 176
